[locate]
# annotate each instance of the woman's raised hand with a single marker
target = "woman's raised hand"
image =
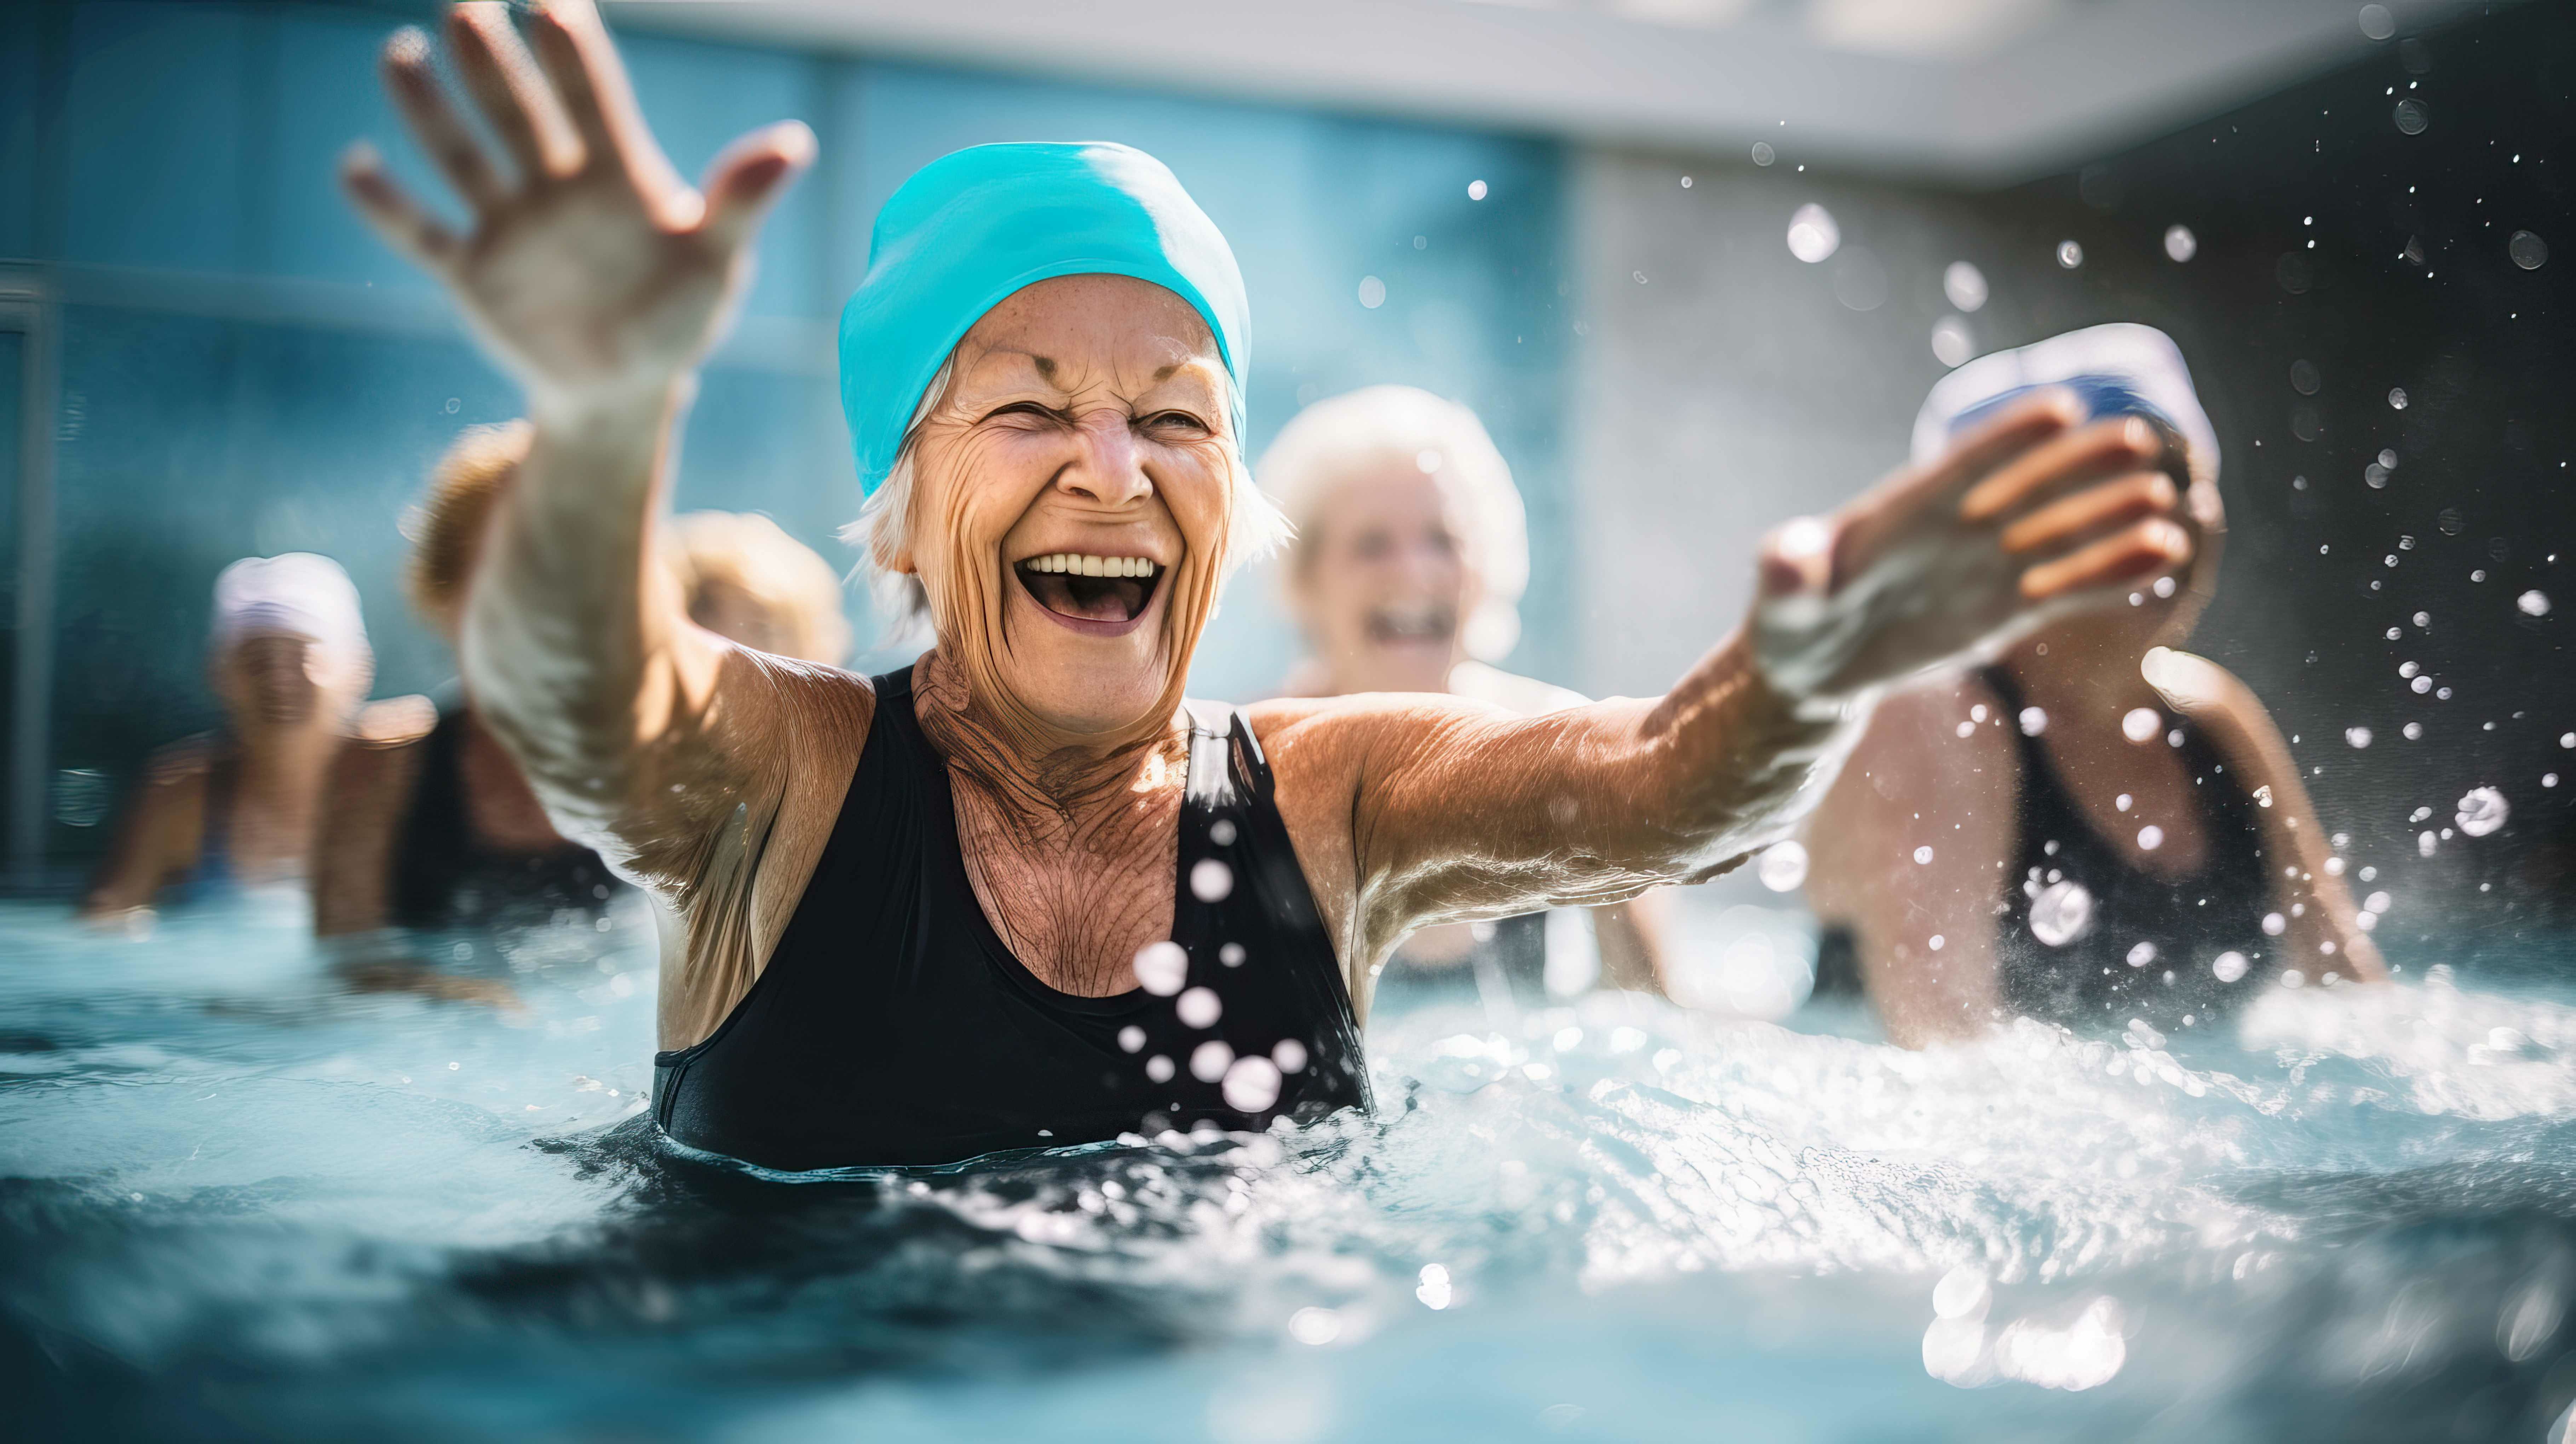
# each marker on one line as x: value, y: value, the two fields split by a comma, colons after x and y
x: 588, y: 268
x: 2032, y: 515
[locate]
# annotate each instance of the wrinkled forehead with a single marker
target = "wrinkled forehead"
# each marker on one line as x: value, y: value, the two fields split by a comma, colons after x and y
x: 1082, y: 332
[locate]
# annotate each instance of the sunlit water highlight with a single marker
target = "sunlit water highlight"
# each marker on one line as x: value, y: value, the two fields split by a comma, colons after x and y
x: 240, y: 1199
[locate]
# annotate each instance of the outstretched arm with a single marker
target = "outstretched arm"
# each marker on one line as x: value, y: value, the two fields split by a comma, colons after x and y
x: 600, y: 280
x: 1410, y: 810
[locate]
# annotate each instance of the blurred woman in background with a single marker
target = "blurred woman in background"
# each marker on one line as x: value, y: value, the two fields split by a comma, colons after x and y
x: 434, y: 827
x: 1405, y: 574
x: 2095, y: 827
x: 288, y: 658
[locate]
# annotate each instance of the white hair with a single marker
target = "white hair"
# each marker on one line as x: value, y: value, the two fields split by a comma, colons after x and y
x: 884, y: 525
x: 1336, y: 438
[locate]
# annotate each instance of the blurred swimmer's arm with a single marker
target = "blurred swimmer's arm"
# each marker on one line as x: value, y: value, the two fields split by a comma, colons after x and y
x: 2321, y: 930
x: 1634, y: 939
x: 158, y: 834
x: 362, y: 810
x: 1409, y: 809
x: 599, y: 280
x: 1914, y: 782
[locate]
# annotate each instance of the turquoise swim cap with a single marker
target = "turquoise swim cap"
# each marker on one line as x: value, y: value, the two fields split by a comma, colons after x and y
x: 975, y: 225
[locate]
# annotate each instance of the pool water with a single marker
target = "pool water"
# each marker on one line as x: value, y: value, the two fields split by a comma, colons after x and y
x: 242, y: 1196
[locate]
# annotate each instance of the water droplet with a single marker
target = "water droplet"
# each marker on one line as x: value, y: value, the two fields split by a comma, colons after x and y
x: 2142, y: 954
x: 2527, y: 250
x: 1199, y: 1007
x: 2305, y: 378
x: 2069, y: 254
x: 2482, y: 811
x: 2421, y: 685
x: 1783, y: 867
x: 1813, y: 236
x: 2228, y: 966
x: 1163, y: 968
x: 1290, y: 1055
x: 1372, y: 292
x: 2377, y: 23
x: 2150, y: 837
x: 2533, y: 603
x: 1963, y: 1293
x: 1131, y: 1039
x: 2141, y: 724
x: 1231, y: 955
x: 1210, y: 880
x: 2357, y: 736
x: 2425, y: 844
x: 2274, y: 924
x: 2412, y: 731
x: 2293, y: 979
x: 1159, y: 1068
x: 1476, y: 190
x: 1251, y: 1083
x: 2061, y: 913
x: 1763, y: 154
x: 2180, y: 243
x: 1209, y: 1060
x: 1434, y: 1290
x: 2397, y: 398
x: 1314, y: 1324
x: 2412, y: 117
x: 1965, y: 285
x: 2263, y: 798
x: 2164, y: 587
x: 1922, y: 855
x: 1221, y: 832
x: 1953, y: 344
x: 2033, y: 721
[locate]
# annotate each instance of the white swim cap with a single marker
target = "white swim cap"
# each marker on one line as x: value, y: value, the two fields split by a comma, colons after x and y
x: 2121, y: 367
x: 297, y: 594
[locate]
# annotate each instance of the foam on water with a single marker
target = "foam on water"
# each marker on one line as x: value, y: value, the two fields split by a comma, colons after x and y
x: 231, y: 1177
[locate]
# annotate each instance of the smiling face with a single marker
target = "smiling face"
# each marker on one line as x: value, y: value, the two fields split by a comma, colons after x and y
x: 1383, y: 583
x: 1071, y: 506
x: 277, y: 681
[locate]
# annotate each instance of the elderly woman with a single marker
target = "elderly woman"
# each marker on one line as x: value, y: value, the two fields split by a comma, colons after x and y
x: 1019, y: 894
x: 1410, y: 552
x: 434, y: 827
x: 2108, y: 828
x: 289, y: 660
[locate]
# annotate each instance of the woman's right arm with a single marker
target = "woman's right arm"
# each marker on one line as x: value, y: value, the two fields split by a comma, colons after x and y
x: 597, y: 278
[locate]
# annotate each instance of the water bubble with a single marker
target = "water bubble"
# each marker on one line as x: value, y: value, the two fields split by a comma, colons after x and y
x: 1963, y: 1293
x: 1314, y: 1324
x: 2421, y: 685
x: 1952, y: 342
x: 2274, y: 924
x: 1922, y: 855
x: 1763, y: 154
x: 1221, y: 831
x: 1813, y: 236
x: 1290, y: 1055
x: 2533, y: 603
x: 1162, y: 968
x: 2033, y: 721
x: 2142, y: 954
x: 1434, y: 1289
x: 2293, y: 978
x: 2180, y: 243
x: 1965, y: 285
x: 1783, y: 867
x: 2061, y: 913
x: 2482, y: 811
x: 2164, y: 587
x: 2527, y: 250
x: 1860, y: 283
x: 1210, y: 880
x: 2069, y: 254
x: 2121, y: 802
x: 1372, y: 292
x: 2141, y: 724
x: 2412, y: 731
x: 1209, y: 1060
x: 2375, y: 476
x: 2423, y: 619
x: 2150, y: 837
x: 1251, y: 1083
x: 1199, y: 1007
x: 2228, y: 966
x: 1159, y: 1068
x: 2305, y: 378
x: 1131, y: 1039
x: 2377, y: 23
x: 1231, y: 955
x: 2412, y: 117
x: 2567, y: 739
x: 2425, y: 844
x: 1475, y: 190
x: 2396, y: 398
x: 2357, y: 736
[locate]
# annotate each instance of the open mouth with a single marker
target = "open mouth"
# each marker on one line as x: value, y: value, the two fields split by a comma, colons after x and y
x: 1419, y: 624
x: 1091, y: 588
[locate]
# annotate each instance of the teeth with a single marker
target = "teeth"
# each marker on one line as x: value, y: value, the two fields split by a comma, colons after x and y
x: 1076, y: 564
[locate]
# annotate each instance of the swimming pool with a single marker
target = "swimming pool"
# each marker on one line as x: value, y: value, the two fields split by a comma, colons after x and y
x: 240, y: 1199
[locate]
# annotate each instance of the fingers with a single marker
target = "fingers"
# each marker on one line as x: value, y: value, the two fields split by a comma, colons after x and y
x: 2127, y: 499
x: 2106, y: 448
x: 2156, y: 544
x: 393, y: 214
x: 1797, y: 558
x: 434, y: 122
x: 505, y: 84
x: 2027, y: 423
x: 751, y: 175
x: 599, y: 101
x: 565, y: 64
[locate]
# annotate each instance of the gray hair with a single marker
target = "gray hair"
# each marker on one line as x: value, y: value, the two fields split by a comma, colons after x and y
x: 884, y: 525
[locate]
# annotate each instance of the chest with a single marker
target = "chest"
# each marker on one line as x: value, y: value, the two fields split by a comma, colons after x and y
x: 1075, y: 898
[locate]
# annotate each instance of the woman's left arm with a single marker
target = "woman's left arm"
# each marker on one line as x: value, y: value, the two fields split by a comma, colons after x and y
x: 2321, y: 932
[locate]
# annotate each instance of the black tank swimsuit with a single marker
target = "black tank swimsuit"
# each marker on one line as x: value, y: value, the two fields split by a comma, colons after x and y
x: 892, y: 1026
x: 444, y: 876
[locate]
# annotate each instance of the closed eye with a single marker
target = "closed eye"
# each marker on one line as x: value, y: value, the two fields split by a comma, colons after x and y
x: 1174, y: 421
x: 1026, y: 408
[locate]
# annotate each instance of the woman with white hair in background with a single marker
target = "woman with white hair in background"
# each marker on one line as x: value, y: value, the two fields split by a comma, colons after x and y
x: 288, y: 659
x: 1020, y: 894
x: 1405, y: 572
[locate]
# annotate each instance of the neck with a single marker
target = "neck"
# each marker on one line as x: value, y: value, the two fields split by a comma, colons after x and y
x: 285, y: 764
x: 2086, y: 674
x: 1038, y: 777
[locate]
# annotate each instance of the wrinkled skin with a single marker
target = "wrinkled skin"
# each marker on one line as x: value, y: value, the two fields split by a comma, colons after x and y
x: 713, y: 774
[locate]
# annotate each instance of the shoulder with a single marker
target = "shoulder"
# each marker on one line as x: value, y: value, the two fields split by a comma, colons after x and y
x: 369, y: 767
x: 395, y: 721
x: 2217, y: 701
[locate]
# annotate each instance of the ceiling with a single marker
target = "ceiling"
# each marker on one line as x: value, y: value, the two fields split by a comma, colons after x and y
x: 1964, y: 91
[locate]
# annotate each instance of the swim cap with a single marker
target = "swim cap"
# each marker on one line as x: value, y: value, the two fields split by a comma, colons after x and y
x: 975, y: 225
x: 2119, y: 369
x: 298, y: 594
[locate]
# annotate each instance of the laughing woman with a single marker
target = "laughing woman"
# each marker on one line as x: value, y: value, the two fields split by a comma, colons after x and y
x: 1020, y: 894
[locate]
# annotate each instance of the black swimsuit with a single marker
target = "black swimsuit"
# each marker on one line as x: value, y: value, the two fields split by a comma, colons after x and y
x: 892, y: 1026
x: 444, y: 876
